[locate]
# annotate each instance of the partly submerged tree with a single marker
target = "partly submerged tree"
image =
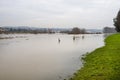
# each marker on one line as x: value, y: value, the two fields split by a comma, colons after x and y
x: 117, y: 22
x: 77, y: 30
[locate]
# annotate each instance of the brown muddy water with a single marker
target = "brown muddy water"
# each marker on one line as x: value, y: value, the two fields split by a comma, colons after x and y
x: 44, y: 56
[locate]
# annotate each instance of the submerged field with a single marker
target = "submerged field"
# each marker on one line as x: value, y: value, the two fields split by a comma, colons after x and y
x: 42, y: 56
x: 103, y: 63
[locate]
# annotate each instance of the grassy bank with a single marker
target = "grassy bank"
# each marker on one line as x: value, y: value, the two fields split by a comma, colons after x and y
x: 103, y: 63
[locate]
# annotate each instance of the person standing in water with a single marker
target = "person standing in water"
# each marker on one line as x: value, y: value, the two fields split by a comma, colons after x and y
x: 73, y: 38
x: 59, y: 40
x: 82, y: 37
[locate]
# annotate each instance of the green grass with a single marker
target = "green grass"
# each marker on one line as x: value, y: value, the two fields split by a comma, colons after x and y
x: 103, y: 63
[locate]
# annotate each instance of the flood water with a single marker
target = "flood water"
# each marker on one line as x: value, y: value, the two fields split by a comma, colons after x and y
x: 43, y: 56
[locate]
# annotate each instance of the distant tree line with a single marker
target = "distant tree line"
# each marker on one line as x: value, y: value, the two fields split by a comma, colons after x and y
x: 8, y: 30
x: 23, y: 30
x: 109, y: 30
x: 75, y: 30
x: 34, y: 30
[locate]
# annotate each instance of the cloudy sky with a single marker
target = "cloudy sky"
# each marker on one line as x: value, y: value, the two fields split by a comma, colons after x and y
x: 58, y: 13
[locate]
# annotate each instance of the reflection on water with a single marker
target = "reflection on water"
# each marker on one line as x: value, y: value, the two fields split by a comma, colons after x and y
x: 44, y: 56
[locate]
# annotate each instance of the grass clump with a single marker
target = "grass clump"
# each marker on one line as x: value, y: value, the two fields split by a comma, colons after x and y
x: 103, y: 63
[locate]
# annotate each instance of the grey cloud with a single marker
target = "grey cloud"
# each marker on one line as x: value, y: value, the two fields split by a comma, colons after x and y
x: 61, y: 13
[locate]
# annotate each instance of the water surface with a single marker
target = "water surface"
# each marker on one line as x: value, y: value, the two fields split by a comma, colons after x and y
x: 42, y: 56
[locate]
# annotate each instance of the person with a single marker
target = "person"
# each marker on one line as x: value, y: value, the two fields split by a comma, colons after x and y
x: 82, y: 37
x: 59, y: 40
x: 73, y: 37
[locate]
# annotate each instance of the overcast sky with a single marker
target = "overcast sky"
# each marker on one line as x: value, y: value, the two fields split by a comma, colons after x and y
x: 58, y: 13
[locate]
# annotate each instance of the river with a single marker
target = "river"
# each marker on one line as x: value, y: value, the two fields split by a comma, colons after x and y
x: 44, y: 56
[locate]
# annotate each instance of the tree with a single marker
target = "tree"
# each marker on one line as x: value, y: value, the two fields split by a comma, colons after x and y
x: 109, y: 30
x: 75, y: 30
x: 117, y: 22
